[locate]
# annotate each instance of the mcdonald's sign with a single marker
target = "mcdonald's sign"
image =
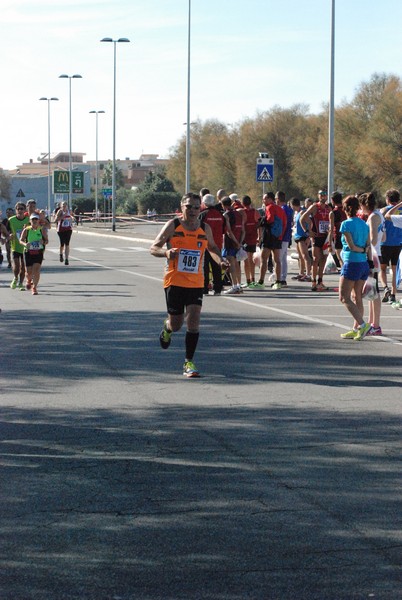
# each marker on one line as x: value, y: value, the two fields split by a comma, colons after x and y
x: 61, y: 182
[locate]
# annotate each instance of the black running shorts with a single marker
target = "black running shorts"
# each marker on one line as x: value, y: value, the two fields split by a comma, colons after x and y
x: 390, y: 254
x: 177, y: 298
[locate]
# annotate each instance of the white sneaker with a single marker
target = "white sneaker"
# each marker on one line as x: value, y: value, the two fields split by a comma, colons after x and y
x: 233, y: 290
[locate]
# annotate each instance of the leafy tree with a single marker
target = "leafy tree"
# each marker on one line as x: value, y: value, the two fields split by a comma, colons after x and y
x: 86, y: 205
x: 107, y: 176
x: 369, y: 136
x: 156, y: 192
x: 368, y: 146
x: 5, y: 184
x: 126, y: 202
x: 213, y: 158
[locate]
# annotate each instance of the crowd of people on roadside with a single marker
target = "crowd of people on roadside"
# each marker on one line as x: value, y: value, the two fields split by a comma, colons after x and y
x: 315, y: 227
x: 211, y: 237
x: 25, y: 236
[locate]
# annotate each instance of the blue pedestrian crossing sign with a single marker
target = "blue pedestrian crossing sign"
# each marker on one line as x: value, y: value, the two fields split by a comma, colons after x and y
x: 265, y: 170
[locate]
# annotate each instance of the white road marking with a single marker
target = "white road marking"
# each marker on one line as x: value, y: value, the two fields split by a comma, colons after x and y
x: 108, y: 249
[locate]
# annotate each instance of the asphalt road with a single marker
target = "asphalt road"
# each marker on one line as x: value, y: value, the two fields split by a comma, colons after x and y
x: 275, y: 476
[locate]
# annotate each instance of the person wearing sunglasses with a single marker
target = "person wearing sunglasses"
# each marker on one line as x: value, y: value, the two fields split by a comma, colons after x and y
x: 183, y: 241
x: 34, y: 239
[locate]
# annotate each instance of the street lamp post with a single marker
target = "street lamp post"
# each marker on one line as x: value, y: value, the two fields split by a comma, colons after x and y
x: 70, y: 169
x: 96, y: 112
x: 331, y: 118
x: 49, y: 186
x: 188, y: 101
x: 114, y: 128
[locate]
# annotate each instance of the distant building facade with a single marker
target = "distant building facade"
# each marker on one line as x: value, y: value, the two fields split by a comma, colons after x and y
x: 30, y: 180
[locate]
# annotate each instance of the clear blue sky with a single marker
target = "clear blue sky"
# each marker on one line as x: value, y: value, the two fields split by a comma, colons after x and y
x: 247, y: 56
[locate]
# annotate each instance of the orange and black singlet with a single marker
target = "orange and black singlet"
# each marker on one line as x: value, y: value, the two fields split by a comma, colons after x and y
x: 187, y: 269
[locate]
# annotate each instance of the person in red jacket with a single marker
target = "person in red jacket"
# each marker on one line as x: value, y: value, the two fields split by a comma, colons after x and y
x: 273, y: 227
x: 215, y: 220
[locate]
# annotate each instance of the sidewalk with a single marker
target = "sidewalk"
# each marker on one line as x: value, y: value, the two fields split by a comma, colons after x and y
x: 141, y: 231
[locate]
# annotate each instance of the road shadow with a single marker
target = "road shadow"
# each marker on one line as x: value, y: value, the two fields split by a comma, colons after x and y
x: 65, y: 346
x: 197, y: 502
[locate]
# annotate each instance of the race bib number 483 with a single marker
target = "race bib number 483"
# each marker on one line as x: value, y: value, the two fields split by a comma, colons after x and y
x: 189, y: 261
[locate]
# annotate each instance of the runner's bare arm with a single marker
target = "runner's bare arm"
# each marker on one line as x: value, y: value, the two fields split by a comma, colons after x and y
x: 213, y: 248
x: 229, y: 231
x: 392, y: 211
x: 373, y: 224
x: 310, y: 212
x: 161, y: 239
x: 332, y: 225
x: 352, y: 246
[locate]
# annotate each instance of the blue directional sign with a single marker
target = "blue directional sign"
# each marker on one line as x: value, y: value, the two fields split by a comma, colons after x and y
x: 265, y: 170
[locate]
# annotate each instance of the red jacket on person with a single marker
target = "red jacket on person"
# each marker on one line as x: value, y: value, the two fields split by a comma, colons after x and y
x: 215, y: 220
x: 251, y: 225
x: 272, y: 211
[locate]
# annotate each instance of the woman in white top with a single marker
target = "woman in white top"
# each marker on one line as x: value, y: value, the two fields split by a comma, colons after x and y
x: 64, y: 221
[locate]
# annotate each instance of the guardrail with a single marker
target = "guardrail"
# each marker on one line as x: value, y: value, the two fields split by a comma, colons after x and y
x: 122, y: 220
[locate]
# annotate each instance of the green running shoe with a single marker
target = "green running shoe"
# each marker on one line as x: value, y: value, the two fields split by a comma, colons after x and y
x: 362, y: 332
x: 165, y: 337
x: 190, y: 370
x: 13, y: 284
x: 349, y: 335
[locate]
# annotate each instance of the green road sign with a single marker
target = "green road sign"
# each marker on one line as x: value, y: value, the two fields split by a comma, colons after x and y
x: 78, y: 182
x: 61, y: 182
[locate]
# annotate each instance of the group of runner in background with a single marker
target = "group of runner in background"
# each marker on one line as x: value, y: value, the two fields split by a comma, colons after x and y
x: 25, y: 235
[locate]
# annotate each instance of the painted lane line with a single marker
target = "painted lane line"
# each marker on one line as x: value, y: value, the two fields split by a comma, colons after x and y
x: 125, y: 271
x: 81, y: 249
x: 307, y: 318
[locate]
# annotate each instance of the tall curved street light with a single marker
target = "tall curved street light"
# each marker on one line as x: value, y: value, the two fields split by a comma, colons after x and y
x: 96, y: 112
x: 331, y: 119
x: 70, y: 168
x: 107, y: 39
x: 188, y: 123
x: 49, y: 180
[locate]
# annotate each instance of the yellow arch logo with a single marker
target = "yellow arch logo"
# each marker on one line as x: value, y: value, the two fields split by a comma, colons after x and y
x: 62, y: 177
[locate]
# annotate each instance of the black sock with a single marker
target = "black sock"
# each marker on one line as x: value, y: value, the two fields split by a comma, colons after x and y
x: 191, y: 344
